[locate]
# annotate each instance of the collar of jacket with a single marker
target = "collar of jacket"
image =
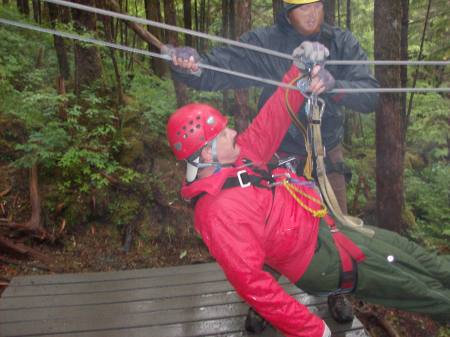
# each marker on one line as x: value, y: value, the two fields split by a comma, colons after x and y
x: 211, y: 185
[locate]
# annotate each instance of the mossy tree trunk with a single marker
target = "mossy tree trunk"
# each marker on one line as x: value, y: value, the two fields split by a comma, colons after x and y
x: 242, y: 23
x: 88, y: 67
x: 389, y: 126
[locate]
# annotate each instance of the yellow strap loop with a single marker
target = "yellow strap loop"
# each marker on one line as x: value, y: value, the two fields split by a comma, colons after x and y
x: 294, y: 191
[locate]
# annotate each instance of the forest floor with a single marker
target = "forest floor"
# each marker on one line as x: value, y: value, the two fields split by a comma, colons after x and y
x: 97, y: 247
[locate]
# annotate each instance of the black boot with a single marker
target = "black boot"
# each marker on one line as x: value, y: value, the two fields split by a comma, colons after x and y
x: 340, y: 308
x: 254, y: 323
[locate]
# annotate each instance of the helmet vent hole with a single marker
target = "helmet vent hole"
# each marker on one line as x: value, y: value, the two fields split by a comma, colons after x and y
x: 184, y: 127
x: 198, y: 118
x: 198, y: 126
x: 191, y: 122
x: 185, y: 135
x: 191, y: 130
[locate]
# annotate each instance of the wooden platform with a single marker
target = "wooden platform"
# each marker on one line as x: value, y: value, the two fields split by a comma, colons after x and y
x: 182, y: 301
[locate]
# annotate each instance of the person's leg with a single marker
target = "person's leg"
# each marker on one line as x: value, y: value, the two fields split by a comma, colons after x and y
x: 398, y: 273
x: 340, y: 307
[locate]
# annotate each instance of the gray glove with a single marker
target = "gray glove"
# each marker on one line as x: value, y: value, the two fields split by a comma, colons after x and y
x: 327, y: 79
x: 309, y: 53
x: 186, y: 54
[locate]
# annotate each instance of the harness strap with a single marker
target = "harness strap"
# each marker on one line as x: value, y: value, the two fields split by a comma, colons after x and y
x: 350, y: 254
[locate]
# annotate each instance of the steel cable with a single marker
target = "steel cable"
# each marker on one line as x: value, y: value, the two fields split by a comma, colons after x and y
x: 233, y: 42
x: 206, y: 66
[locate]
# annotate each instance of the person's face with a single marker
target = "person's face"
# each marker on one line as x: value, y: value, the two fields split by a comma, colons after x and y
x: 227, y: 149
x: 307, y: 19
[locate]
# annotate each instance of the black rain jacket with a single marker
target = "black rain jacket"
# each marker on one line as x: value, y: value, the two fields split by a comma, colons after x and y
x: 284, y: 38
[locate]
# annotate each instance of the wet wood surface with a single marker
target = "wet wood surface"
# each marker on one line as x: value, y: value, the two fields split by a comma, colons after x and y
x: 184, y: 301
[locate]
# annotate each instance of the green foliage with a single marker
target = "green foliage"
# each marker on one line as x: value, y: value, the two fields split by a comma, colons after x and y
x: 427, y: 194
x: 429, y: 129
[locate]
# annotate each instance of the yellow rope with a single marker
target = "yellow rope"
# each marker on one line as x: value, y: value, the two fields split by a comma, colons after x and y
x: 294, y: 191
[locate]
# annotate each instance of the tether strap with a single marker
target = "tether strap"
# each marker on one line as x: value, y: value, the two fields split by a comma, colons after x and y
x: 350, y: 254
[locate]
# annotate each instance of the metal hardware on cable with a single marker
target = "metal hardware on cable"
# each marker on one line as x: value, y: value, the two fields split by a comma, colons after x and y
x: 213, y: 68
x: 233, y: 42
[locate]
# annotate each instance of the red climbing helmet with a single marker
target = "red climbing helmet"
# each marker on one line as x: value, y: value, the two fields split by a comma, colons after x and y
x: 192, y: 126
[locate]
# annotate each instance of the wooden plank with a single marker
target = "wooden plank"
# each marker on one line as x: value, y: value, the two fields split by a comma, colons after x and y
x: 9, y: 303
x: 83, y: 311
x: 193, y: 326
x: 116, y: 275
x: 114, y: 285
x: 127, y: 320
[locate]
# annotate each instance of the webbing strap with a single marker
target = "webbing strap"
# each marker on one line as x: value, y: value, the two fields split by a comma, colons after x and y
x: 324, y: 184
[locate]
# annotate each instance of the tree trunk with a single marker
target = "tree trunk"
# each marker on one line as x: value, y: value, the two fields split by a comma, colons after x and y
x: 243, y: 23
x: 107, y: 24
x: 153, y: 12
x: 23, y: 6
x: 277, y: 7
x: 170, y: 18
x: 187, y: 16
x: 60, y: 48
x: 35, y: 222
x: 339, y: 12
x: 348, y: 20
x: 37, y: 10
x: 329, y: 9
x: 88, y: 67
x: 389, y: 145
x: 404, y: 56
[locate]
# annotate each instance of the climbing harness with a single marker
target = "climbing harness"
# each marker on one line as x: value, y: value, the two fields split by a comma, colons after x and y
x: 315, y: 150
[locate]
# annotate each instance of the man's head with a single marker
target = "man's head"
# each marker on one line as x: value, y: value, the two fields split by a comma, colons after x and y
x: 198, y: 133
x: 306, y: 16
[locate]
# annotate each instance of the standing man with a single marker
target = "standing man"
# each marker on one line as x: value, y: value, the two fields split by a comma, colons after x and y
x: 301, y: 20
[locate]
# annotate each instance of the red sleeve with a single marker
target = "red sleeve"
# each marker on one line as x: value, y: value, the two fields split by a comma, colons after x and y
x: 237, y: 248
x: 264, y: 135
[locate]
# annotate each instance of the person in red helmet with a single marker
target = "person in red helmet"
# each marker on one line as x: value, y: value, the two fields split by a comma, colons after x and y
x: 250, y: 216
x: 300, y: 20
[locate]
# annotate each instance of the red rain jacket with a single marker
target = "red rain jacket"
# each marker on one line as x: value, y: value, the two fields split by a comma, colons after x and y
x: 245, y: 228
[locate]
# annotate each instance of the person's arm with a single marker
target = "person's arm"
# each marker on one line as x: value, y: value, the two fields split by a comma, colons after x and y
x: 265, y: 133
x: 236, y: 245
x: 354, y: 76
x: 227, y: 57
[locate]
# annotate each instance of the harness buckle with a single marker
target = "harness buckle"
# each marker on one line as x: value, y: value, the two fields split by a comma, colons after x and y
x: 241, y: 182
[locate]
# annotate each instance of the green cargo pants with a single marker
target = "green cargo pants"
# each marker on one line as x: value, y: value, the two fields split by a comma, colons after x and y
x: 396, y: 273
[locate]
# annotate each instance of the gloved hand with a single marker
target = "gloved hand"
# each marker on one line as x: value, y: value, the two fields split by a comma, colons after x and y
x: 185, y: 58
x: 321, y: 81
x: 326, y: 78
x: 309, y: 53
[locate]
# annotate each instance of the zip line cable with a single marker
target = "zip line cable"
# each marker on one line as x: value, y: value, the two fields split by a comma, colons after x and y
x: 206, y: 66
x: 233, y: 42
